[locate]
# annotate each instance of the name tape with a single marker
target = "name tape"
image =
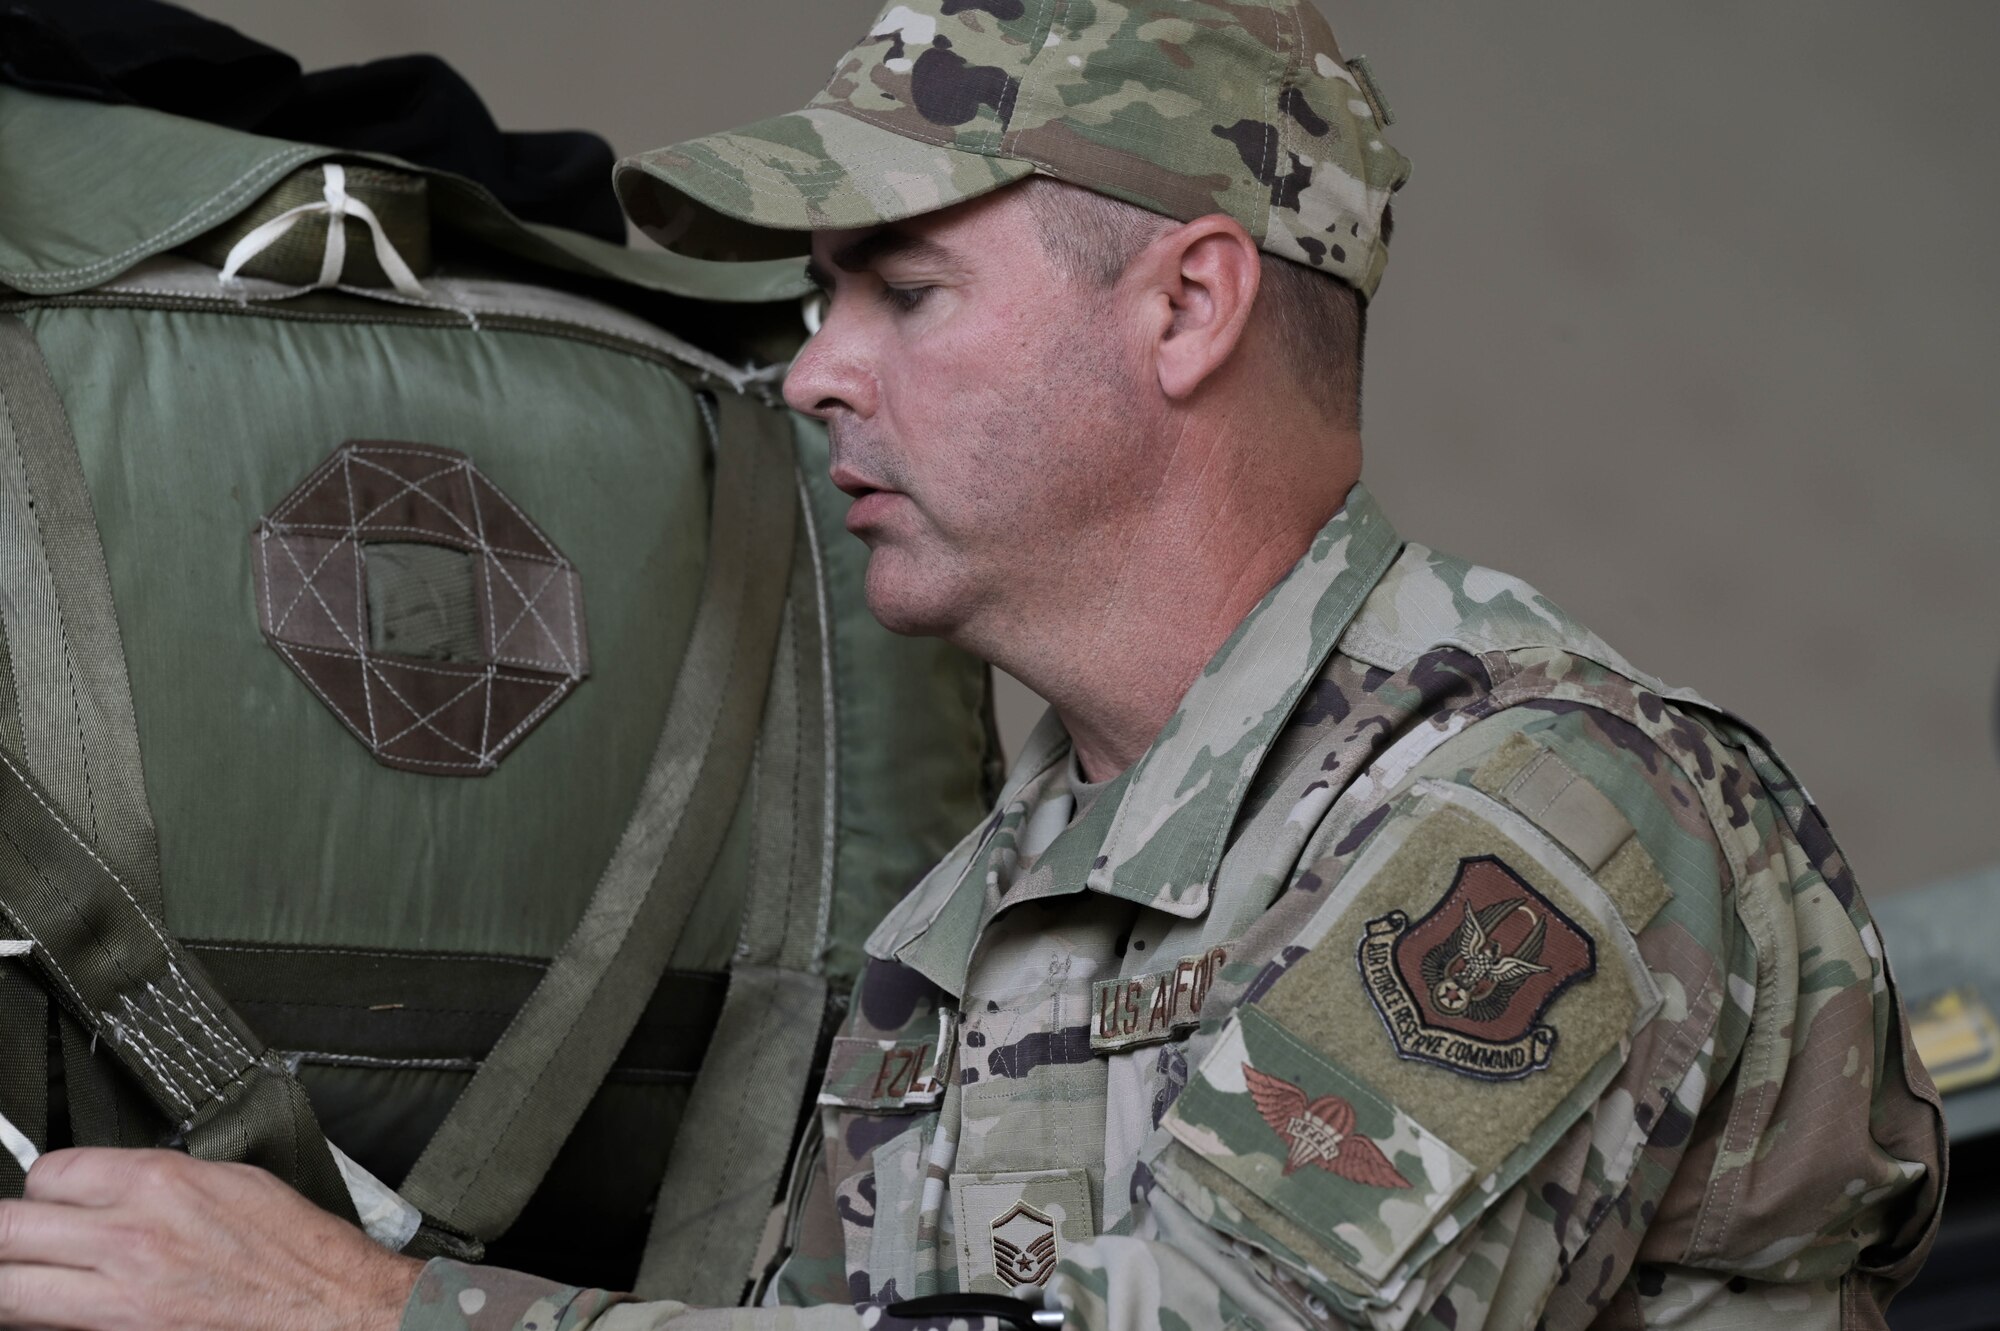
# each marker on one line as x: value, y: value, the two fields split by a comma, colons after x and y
x: 1145, y: 1009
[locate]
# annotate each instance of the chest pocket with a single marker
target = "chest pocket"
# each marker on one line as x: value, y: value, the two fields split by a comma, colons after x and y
x: 881, y: 1102
x: 1460, y: 1000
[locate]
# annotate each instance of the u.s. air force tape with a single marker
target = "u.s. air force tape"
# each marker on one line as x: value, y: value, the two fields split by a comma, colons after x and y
x: 1144, y: 1009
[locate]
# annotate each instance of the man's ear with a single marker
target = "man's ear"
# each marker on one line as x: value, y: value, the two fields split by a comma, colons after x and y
x: 1201, y: 281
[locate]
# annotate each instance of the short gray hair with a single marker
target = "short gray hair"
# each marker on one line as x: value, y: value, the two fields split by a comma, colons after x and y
x: 1320, y: 321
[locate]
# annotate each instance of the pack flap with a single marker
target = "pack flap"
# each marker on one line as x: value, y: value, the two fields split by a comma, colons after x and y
x: 137, y: 182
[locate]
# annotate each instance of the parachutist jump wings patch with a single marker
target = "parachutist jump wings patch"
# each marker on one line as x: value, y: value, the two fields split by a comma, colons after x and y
x: 1321, y: 1133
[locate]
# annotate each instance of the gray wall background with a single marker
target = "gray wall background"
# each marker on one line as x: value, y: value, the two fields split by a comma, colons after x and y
x: 1691, y: 323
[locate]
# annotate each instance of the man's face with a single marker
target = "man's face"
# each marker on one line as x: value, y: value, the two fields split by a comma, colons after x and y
x: 985, y: 412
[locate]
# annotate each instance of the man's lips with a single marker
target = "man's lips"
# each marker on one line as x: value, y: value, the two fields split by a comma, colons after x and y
x: 870, y: 500
x: 851, y: 482
x: 869, y: 508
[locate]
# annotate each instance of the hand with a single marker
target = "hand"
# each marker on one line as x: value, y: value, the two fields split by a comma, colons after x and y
x: 111, y: 1240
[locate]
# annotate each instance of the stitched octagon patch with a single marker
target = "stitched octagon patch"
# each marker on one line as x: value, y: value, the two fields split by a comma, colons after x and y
x: 421, y: 605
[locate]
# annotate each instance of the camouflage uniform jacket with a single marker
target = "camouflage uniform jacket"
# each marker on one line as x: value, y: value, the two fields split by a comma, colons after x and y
x: 1433, y: 968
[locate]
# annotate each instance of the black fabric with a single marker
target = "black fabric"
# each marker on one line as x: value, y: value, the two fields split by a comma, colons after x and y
x: 341, y: 1003
x: 415, y: 107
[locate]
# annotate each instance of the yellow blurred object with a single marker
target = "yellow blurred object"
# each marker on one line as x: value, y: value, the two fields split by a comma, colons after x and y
x: 1958, y: 1038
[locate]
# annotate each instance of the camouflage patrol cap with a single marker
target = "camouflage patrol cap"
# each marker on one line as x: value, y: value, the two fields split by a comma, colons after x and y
x: 1184, y: 107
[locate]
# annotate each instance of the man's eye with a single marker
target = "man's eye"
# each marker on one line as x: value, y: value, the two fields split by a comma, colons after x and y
x: 904, y: 298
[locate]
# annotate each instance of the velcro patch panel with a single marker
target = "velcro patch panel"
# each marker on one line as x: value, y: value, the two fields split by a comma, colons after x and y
x: 1462, y: 996
x: 1293, y: 1129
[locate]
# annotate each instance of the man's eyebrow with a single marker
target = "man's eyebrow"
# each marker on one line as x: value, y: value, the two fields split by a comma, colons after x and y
x: 878, y: 247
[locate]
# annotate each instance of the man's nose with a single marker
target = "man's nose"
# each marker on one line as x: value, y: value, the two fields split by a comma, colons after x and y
x: 828, y: 376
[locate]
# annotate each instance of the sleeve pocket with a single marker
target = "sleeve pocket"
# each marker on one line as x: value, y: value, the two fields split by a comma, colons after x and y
x: 1463, y: 997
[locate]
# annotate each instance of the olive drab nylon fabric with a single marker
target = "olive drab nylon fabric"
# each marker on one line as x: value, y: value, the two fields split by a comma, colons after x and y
x: 133, y: 985
x: 96, y: 928
x: 380, y: 928
x: 729, y: 1160
x: 70, y: 714
x: 178, y: 179
x: 77, y: 727
x: 487, y: 1158
x: 24, y: 1004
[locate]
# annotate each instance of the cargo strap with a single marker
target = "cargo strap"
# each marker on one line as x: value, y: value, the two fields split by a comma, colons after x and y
x: 77, y: 730
x: 131, y: 983
x: 728, y: 1160
x: 96, y: 927
x: 24, y: 1003
x: 69, y: 716
x: 505, y: 1129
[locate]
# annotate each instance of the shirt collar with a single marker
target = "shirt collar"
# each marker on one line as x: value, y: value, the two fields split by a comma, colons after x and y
x: 1173, y: 816
x: 1173, y: 823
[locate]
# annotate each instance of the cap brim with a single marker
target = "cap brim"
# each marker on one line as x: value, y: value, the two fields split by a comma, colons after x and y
x: 813, y: 170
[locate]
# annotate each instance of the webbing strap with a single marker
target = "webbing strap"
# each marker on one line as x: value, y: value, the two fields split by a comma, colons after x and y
x: 24, y: 1004
x: 106, y: 1108
x: 508, y: 1124
x: 728, y: 1163
x: 77, y: 729
x: 68, y: 701
x: 79, y: 859
x: 24, y: 1064
x: 728, y: 1160
x: 119, y: 972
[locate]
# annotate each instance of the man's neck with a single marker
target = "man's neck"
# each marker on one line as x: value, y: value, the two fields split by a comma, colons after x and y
x: 1116, y: 675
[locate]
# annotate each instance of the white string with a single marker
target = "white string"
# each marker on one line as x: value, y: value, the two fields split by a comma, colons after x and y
x: 337, y: 204
x: 17, y: 1145
x: 11, y: 1137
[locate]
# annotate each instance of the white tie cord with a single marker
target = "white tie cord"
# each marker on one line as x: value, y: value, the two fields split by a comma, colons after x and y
x: 18, y: 1146
x: 11, y: 1137
x: 337, y: 205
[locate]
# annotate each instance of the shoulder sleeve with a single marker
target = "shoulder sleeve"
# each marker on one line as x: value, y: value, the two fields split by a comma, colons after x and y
x: 1442, y: 1087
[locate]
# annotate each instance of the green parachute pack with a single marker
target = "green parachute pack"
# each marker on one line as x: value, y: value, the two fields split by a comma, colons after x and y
x: 445, y: 758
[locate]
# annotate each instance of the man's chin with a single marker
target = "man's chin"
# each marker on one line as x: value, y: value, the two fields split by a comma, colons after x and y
x: 905, y: 600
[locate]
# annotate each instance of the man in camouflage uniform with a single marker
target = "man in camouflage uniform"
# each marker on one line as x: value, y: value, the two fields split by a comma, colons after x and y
x: 1360, y: 940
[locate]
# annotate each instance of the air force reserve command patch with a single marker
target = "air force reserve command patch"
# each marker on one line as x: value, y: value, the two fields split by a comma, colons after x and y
x: 1464, y: 987
x: 1458, y: 998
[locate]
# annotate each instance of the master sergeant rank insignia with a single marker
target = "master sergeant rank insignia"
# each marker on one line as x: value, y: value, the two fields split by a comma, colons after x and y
x: 1465, y: 987
x: 1024, y: 1246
